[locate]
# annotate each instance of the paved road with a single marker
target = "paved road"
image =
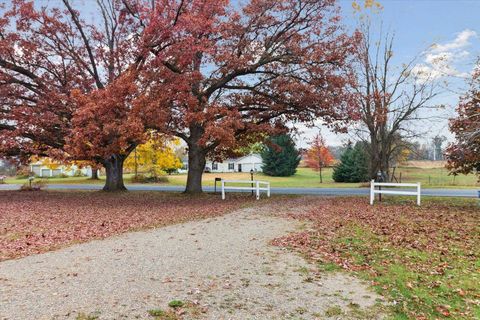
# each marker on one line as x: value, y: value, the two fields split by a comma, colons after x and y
x: 470, y: 193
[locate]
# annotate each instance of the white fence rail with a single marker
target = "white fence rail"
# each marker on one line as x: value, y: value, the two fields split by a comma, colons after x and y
x: 374, y: 191
x: 254, y: 185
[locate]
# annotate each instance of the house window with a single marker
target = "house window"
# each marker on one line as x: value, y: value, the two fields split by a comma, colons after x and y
x: 214, y: 166
x: 231, y: 166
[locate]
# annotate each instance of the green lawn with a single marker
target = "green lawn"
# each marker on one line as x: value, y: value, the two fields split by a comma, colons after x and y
x: 69, y: 180
x: 305, y: 177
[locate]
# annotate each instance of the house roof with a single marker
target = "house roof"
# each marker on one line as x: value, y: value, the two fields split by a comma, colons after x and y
x: 243, y: 157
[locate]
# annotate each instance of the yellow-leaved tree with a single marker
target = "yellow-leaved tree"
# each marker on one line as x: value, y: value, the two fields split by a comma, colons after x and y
x: 47, y: 162
x: 359, y: 5
x: 154, y: 158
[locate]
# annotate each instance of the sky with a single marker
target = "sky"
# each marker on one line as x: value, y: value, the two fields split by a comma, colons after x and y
x: 444, y: 34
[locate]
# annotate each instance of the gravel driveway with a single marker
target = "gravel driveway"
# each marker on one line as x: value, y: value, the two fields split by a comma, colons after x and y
x: 223, y: 268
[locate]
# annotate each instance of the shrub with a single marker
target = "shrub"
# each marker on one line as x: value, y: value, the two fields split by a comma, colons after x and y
x: 139, y: 178
x: 161, y: 179
x: 35, y: 185
x: 280, y: 158
x: 142, y: 178
x: 78, y: 173
x: 23, y: 173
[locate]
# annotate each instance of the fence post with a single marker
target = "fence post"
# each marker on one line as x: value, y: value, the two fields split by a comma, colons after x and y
x: 223, y: 189
x: 418, y: 193
x: 257, y: 190
x: 268, y: 189
x: 372, y: 194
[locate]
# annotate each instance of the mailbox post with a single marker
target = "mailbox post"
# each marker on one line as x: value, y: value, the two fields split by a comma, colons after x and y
x: 30, y: 180
x: 380, y: 179
x: 251, y: 178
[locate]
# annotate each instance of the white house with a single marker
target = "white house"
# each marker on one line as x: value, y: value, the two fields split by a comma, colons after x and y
x: 43, y: 171
x: 243, y: 164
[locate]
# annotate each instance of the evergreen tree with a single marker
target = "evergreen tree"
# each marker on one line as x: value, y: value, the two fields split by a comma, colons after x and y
x: 353, y: 166
x: 341, y: 170
x: 280, y: 157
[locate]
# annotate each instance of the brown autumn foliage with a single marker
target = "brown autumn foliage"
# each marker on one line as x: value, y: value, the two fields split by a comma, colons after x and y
x: 406, y: 226
x: 40, y: 221
x: 424, y: 259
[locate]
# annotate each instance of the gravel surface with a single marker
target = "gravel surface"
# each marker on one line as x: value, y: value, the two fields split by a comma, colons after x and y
x: 223, y: 268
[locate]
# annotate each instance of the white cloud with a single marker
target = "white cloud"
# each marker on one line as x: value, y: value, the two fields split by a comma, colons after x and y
x: 441, y: 59
x: 461, y: 41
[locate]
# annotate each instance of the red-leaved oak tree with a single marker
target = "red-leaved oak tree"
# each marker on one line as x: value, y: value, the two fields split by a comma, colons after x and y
x: 234, y: 73
x: 68, y: 82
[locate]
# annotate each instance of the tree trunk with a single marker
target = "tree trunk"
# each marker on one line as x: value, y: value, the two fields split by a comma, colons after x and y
x: 114, y: 173
x: 374, y: 159
x: 94, y: 174
x: 196, y: 165
x: 136, y: 163
x: 321, y: 179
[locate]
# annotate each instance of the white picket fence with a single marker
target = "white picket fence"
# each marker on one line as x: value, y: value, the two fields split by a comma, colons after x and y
x: 253, y: 186
x: 374, y: 191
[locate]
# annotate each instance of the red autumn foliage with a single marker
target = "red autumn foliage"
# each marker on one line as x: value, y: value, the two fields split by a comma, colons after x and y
x: 36, y: 222
x: 235, y: 72
x: 209, y: 72
x: 464, y: 154
x: 52, y: 62
x: 45, y: 54
x: 318, y: 156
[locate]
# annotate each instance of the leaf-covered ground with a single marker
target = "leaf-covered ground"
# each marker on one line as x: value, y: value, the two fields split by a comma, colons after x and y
x: 34, y: 222
x: 426, y: 260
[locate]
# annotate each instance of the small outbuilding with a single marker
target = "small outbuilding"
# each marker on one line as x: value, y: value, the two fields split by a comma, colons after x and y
x: 43, y: 171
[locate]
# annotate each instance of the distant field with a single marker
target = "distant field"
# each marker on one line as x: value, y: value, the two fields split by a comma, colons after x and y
x: 429, y: 176
x: 425, y: 164
x: 435, y: 177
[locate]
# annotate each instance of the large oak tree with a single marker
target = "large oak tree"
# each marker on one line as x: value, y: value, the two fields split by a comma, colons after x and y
x: 72, y: 86
x: 53, y: 64
x: 236, y: 72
